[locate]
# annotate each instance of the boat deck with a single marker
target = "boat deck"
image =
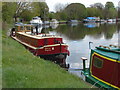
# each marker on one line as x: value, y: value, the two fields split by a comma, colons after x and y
x: 39, y: 36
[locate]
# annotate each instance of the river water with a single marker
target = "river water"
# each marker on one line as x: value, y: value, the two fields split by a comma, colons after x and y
x: 78, y: 36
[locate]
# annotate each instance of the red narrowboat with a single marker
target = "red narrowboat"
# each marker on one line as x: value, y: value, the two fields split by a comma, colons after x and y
x: 46, y: 46
x: 104, y: 69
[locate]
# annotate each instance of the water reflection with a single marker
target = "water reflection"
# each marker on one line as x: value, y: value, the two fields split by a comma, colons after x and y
x: 73, y: 24
x: 92, y: 25
x: 79, y: 32
x: 54, y: 25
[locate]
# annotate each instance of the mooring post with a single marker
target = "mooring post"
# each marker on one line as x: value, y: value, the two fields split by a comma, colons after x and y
x: 84, y: 59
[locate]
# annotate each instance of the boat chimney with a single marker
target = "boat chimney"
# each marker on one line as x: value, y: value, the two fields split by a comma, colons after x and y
x: 84, y: 59
x: 31, y: 30
x: 36, y: 29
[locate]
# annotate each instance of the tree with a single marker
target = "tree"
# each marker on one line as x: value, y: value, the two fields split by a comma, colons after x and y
x: 119, y: 9
x: 40, y: 9
x: 60, y: 11
x: 76, y: 11
x: 109, y: 5
x: 8, y: 11
x: 21, y: 6
x: 110, y: 11
x: 12, y: 10
x: 25, y: 16
x: 59, y: 7
x: 118, y: 12
x: 97, y: 5
x: 19, y: 9
x: 51, y: 15
x: 94, y: 12
x: 113, y: 13
x: 61, y: 15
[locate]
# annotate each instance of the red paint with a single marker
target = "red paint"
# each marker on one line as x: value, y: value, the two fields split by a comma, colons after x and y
x: 49, y: 45
x: 50, y: 50
x: 110, y: 72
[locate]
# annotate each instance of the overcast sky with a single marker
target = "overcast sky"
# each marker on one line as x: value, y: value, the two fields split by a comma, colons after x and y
x: 51, y: 3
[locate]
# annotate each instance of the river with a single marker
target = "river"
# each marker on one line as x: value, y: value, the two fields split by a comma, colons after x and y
x: 78, y: 36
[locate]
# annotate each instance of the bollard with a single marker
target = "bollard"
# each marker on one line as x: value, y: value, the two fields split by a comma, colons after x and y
x: 84, y: 59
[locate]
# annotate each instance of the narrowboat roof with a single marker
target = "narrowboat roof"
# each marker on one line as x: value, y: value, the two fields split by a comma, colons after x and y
x: 40, y: 36
x: 111, y: 52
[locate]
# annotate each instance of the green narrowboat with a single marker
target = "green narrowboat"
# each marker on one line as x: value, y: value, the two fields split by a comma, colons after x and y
x: 104, y: 68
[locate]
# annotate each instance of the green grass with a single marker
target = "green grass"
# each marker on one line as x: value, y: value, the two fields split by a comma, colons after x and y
x: 62, y: 21
x: 20, y: 69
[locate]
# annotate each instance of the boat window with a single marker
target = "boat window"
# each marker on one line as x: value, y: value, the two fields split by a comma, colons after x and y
x: 55, y: 41
x: 28, y: 28
x: 45, y: 41
x: 98, y: 62
x: 21, y: 28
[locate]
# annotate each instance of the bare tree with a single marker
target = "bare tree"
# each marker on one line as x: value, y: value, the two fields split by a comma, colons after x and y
x: 20, y: 7
x: 97, y: 5
x: 59, y: 7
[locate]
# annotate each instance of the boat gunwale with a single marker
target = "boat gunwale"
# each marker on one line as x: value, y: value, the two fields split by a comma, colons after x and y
x: 38, y: 47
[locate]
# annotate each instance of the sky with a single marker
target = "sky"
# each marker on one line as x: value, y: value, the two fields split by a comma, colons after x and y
x: 52, y: 3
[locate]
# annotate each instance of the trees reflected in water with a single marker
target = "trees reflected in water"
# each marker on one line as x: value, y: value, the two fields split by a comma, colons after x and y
x: 76, y: 32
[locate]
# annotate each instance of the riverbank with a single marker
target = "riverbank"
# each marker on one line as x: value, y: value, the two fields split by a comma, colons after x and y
x: 21, y: 69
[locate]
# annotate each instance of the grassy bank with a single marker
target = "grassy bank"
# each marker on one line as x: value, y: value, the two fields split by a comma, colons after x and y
x: 20, y: 69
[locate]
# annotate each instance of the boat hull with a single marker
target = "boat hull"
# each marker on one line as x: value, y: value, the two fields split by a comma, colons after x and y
x: 104, y: 68
x: 56, y: 58
x: 56, y: 53
x: 49, y: 47
x: 95, y: 82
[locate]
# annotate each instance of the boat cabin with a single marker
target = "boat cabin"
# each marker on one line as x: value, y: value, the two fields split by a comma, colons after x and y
x: 23, y: 27
x: 104, y: 69
x: 29, y: 34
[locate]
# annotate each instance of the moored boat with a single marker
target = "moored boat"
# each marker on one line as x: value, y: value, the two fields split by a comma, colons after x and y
x: 47, y: 46
x: 36, y: 20
x: 104, y: 68
x: 54, y: 21
x: 91, y: 20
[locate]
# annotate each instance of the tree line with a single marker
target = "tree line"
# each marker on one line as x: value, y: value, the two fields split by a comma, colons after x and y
x: 79, y: 11
x: 27, y: 10
x: 11, y: 11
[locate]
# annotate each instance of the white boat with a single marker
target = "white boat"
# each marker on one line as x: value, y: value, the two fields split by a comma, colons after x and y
x: 109, y: 20
x: 54, y: 21
x: 36, y: 20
